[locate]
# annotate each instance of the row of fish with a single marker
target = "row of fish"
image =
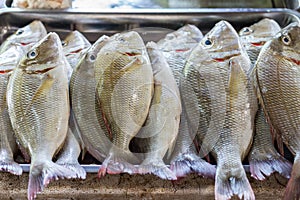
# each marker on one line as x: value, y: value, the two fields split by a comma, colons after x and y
x: 137, y: 107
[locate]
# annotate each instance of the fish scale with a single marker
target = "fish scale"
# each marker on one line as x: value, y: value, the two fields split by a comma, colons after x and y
x: 216, y: 87
x: 277, y: 77
x: 37, y: 97
x: 124, y: 82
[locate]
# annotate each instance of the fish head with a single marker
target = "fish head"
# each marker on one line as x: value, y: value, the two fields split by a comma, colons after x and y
x: 256, y: 35
x: 43, y: 56
x: 26, y: 36
x: 221, y: 42
x: 75, y: 43
x: 286, y: 43
x: 125, y: 47
x: 92, y: 52
x: 9, y: 59
x: 182, y: 39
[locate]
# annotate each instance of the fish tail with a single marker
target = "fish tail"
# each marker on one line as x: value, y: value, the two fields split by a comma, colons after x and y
x: 228, y: 186
x: 42, y: 173
x: 75, y: 167
x: 11, y: 167
x: 292, y: 190
x: 158, y: 168
x: 189, y: 162
x: 260, y: 168
x: 180, y: 166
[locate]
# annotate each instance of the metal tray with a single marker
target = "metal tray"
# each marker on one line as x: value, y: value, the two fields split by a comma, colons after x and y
x: 291, y: 4
x: 152, y: 24
x: 93, y: 24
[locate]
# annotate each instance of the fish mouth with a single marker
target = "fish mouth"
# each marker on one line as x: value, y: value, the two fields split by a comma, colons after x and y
x: 297, y: 62
x: 258, y: 44
x: 131, y: 54
x: 181, y: 50
x: 75, y: 51
x: 6, y: 71
x: 25, y: 43
x: 42, y: 71
x: 226, y: 57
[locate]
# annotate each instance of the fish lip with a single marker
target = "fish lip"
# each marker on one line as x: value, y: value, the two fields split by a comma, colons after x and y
x: 297, y: 62
x: 131, y: 54
x: 74, y: 52
x: 7, y: 71
x: 38, y: 71
x: 258, y: 44
x: 223, y: 59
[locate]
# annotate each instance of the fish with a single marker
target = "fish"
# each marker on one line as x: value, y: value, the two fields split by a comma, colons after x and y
x: 42, y: 4
x: 25, y: 37
x: 84, y: 103
x: 38, y: 107
x: 176, y: 47
x: 74, y: 46
x: 276, y: 79
x: 157, y: 137
x: 8, y: 146
x: 255, y: 36
x: 263, y: 157
x: 124, y: 80
x: 220, y: 106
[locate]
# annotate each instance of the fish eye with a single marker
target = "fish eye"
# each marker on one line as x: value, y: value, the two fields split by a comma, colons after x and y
x: 19, y: 32
x: 286, y: 39
x: 64, y: 43
x: 92, y: 57
x: 208, y: 42
x: 246, y: 31
x: 121, y: 39
x: 31, y: 54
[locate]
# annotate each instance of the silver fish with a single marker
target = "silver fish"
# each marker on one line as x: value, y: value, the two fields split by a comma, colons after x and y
x: 256, y: 35
x: 124, y: 89
x: 176, y: 47
x: 8, y: 147
x: 84, y: 103
x: 277, y: 79
x: 158, y: 136
x: 220, y: 106
x: 75, y: 45
x: 38, y: 106
x: 25, y: 37
x: 263, y: 157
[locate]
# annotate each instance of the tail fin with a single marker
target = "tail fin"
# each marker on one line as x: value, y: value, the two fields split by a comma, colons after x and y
x: 11, y: 167
x: 41, y: 175
x: 190, y: 162
x: 260, y: 168
x: 158, y: 168
x: 75, y: 167
x: 292, y: 191
x: 227, y: 187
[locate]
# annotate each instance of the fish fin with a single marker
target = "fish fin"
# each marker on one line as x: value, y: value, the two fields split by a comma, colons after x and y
x: 189, y: 162
x: 292, y: 191
x: 117, y: 162
x: 43, y: 88
x: 156, y: 167
x: 269, y: 163
x: 42, y: 173
x: 75, y: 167
x: 226, y: 187
x: 10, y: 166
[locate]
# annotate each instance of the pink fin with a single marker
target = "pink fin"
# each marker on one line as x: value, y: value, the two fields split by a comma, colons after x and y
x: 11, y: 167
x: 189, y: 162
x: 239, y: 185
x: 41, y: 175
x: 261, y: 168
x: 292, y: 191
x: 158, y: 168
